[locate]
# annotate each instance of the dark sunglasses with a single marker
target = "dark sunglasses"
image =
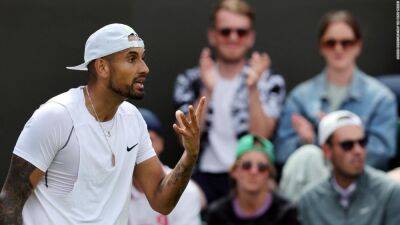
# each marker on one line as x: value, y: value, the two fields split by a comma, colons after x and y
x: 348, y: 145
x: 262, y: 167
x: 345, y: 43
x: 241, y: 32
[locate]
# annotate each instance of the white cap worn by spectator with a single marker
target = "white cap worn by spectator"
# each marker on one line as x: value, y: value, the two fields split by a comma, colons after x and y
x: 335, y: 120
x: 108, y: 40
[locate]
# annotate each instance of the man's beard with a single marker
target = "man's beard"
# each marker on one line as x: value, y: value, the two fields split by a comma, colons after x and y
x: 128, y: 94
x: 135, y: 95
x: 348, y: 175
x: 351, y: 176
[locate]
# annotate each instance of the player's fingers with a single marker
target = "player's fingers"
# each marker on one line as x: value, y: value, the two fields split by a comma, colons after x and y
x: 193, y: 119
x: 179, y: 130
x: 178, y: 117
x: 184, y: 121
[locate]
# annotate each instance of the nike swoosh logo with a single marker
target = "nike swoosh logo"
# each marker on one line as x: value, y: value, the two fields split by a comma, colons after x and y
x: 130, y: 148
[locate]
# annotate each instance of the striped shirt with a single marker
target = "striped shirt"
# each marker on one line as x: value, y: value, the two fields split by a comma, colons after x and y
x: 271, y: 87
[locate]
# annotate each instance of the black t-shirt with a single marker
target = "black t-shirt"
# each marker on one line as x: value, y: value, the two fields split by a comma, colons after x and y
x: 281, y: 212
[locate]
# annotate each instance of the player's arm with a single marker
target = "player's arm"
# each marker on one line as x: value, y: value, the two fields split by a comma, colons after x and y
x: 163, y: 191
x: 21, y: 180
x: 43, y: 135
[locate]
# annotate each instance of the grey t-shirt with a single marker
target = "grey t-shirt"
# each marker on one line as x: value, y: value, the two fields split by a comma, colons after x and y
x: 336, y: 95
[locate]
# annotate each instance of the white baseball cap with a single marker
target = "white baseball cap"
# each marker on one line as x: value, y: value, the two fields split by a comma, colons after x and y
x: 335, y: 120
x: 108, y: 40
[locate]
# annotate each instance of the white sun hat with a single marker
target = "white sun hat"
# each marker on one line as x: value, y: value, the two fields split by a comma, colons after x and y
x: 335, y: 120
x: 108, y: 40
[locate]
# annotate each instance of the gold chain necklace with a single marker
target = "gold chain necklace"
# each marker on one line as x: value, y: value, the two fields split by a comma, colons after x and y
x: 101, y: 126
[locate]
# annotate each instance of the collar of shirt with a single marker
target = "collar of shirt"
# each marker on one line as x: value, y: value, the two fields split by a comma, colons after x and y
x: 344, y: 193
x: 355, y: 87
x: 264, y: 208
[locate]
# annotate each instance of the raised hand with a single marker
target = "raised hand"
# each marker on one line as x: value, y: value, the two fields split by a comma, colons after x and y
x: 207, y: 72
x: 258, y: 64
x: 188, y: 128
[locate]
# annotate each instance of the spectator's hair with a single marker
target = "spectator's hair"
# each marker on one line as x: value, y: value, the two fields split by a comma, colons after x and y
x: 236, y: 6
x: 339, y: 16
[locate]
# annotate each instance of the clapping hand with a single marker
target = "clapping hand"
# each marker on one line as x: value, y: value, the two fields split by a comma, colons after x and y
x: 303, y: 128
x: 258, y: 64
x: 207, y: 71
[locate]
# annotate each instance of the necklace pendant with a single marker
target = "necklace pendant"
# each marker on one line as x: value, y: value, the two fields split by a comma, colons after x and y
x: 113, y: 160
x: 108, y: 134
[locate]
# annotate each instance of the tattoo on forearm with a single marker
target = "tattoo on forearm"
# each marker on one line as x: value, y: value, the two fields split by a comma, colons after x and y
x: 182, y: 175
x: 15, y: 191
x: 178, y: 178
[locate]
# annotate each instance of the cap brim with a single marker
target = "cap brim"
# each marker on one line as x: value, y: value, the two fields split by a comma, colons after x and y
x: 82, y: 67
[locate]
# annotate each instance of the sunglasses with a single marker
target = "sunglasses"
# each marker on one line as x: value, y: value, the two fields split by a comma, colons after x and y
x: 348, y: 145
x: 261, y: 167
x: 241, y: 32
x: 345, y: 43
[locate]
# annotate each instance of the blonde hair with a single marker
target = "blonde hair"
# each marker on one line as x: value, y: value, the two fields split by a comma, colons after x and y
x: 236, y: 6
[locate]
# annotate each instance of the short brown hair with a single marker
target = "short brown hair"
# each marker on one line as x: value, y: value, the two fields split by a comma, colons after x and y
x: 236, y: 6
x: 339, y: 16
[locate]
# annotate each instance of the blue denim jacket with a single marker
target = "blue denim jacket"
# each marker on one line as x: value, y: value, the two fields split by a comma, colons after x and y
x: 368, y: 98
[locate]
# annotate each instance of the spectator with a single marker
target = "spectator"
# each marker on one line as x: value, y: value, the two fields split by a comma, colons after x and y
x: 304, y: 167
x: 141, y: 213
x: 354, y: 193
x: 244, y: 96
x: 341, y: 85
x: 253, y: 201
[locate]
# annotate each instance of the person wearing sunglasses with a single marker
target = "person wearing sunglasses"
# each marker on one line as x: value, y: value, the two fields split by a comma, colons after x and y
x: 341, y: 85
x: 354, y: 193
x: 252, y: 199
x: 244, y: 95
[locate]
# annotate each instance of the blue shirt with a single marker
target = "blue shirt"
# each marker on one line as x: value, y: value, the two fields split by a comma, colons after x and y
x: 373, y: 102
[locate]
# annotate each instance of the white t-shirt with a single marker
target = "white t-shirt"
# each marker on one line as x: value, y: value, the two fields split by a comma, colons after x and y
x: 81, y: 185
x: 186, y: 212
x: 49, y: 142
x: 220, y: 154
